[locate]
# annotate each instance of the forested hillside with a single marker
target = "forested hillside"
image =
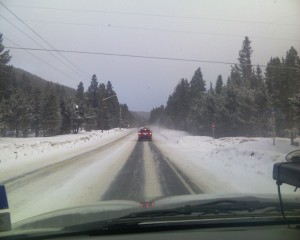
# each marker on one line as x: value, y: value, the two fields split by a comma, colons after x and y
x: 31, y: 106
x: 23, y: 77
x: 251, y: 102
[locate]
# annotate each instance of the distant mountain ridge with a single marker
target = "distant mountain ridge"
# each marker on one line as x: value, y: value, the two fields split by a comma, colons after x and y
x: 38, y: 82
x: 141, y: 117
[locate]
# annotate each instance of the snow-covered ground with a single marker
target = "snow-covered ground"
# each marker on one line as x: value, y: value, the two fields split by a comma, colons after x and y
x: 218, y: 165
x: 21, y: 155
x: 79, y: 183
x: 225, y: 165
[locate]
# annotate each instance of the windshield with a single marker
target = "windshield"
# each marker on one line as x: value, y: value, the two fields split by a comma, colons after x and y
x: 140, y: 104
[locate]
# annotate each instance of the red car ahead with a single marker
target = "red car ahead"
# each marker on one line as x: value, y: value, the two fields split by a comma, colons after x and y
x: 145, y: 134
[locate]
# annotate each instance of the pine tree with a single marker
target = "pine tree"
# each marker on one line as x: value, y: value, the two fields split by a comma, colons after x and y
x: 51, y: 117
x: 261, y: 102
x: 81, y: 108
x: 240, y: 99
x: 222, y: 116
x: 295, y: 111
x: 256, y: 78
x: 69, y: 119
x: 80, y: 93
x: 219, y: 85
x: 37, y: 106
x: 235, y: 77
x: 230, y: 104
x: 208, y: 113
x: 239, y: 102
x: 197, y: 84
x: 93, y: 93
x: 4, y: 56
x: 25, y: 85
x: 244, y: 59
x: 291, y: 84
x: 127, y: 118
x: 103, y: 120
x: 4, y: 117
x: 274, y: 81
x: 93, y: 105
x: 211, y: 89
x: 18, y: 113
x: 157, y: 115
x: 178, y: 105
x: 5, y: 72
x: 112, y: 112
x: 282, y: 80
x: 194, y: 118
x: 5, y: 85
x: 246, y: 112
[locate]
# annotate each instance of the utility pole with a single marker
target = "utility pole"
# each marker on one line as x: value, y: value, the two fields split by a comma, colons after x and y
x: 102, y: 101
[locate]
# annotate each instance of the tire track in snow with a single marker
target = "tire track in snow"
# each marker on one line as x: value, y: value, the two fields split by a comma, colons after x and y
x: 148, y: 175
x: 73, y: 183
x: 172, y: 180
x: 152, y: 185
x: 130, y: 181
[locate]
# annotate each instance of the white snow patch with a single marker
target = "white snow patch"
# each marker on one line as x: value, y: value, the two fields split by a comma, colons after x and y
x: 64, y: 189
x: 21, y: 155
x: 225, y: 165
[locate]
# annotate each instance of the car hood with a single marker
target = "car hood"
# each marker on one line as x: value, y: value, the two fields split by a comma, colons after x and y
x: 113, y: 209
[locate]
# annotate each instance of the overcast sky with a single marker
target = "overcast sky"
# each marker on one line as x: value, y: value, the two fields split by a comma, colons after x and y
x: 211, y: 30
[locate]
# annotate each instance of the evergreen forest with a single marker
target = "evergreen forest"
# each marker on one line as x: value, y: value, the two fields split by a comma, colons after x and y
x: 253, y: 101
x: 30, y: 106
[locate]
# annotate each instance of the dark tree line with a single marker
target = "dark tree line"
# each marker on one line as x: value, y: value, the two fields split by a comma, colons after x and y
x: 26, y: 109
x: 250, y: 103
x: 99, y: 108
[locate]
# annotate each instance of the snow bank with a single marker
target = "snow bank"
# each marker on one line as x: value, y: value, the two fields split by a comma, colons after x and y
x: 236, y: 164
x: 19, y: 155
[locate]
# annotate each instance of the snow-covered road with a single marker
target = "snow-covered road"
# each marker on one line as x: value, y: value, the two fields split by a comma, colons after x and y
x: 75, y: 181
x: 120, y: 169
x: 46, y: 174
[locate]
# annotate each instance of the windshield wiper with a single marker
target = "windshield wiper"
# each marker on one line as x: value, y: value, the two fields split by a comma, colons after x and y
x: 224, y: 206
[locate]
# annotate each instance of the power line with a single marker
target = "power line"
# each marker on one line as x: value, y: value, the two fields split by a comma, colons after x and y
x: 33, y: 41
x: 21, y: 31
x: 40, y: 59
x: 145, y: 57
x: 74, y: 68
x: 163, y: 30
x: 158, y: 15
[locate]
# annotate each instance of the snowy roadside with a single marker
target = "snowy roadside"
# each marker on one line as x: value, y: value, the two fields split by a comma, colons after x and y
x: 225, y: 165
x: 20, y: 155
